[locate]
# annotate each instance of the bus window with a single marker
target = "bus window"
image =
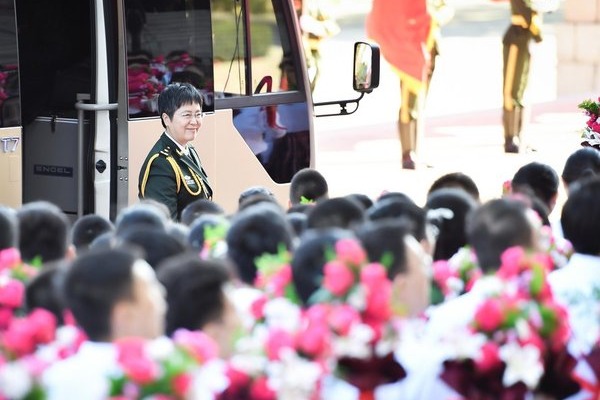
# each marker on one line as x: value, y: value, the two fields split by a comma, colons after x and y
x: 270, y: 48
x: 167, y: 42
x: 10, y: 114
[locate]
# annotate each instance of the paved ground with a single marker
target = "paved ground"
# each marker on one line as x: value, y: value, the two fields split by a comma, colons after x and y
x: 361, y: 152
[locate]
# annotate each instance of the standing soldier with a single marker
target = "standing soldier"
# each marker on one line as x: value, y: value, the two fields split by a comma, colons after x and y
x: 407, y: 32
x: 526, y: 25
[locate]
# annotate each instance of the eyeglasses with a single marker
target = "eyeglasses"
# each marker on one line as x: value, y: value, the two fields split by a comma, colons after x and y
x: 188, y: 116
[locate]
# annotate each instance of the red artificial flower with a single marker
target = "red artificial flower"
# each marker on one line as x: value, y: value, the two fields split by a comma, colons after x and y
x: 490, y: 315
x: 257, y: 308
x: 342, y: 318
x: 44, y: 323
x: 181, y: 384
x: 489, y: 358
x: 19, y: 338
x: 261, y: 390
x: 11, y: 293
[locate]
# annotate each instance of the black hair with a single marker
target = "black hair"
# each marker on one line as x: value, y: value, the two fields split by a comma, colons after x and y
x: 141, y: 215
x: 252, y: 191
x: 451, y: 228
x: 310, y: 258
x: 258, y: 198
x: 338, y: 212
x: 199, y: 207
x: 195, y: 291
x: 580, y: 218
x: 94, y: 284
x: 298, y: 221
x: 301, y: 208
x: 583, y: 163
x: 308, y: 183
x: 255, y: 231
x: 157, y: 245
x: 385, y: 238
x: 541, y: 178
x: 362, y: 199
x: 9, y: 228
x: 43, y: 231
x: 176, y: 95
x: 393, y: 195
x: 401, y: 208
x: 44, y: 291
x: 87, y: 228
x: 496, y: 226
x: 456, y: 180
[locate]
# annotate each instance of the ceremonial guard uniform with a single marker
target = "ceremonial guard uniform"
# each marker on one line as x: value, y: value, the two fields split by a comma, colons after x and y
x: 526, y: 24
x: 172, y: 177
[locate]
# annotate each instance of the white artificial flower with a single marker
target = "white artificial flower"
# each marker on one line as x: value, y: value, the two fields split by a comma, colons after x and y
x: 66, y: 335
x: 455, y: 285
x: 522, y: 364
x: 385, y: 347
x: 209, y: 380
x: 358, y: 299
x: 160, y: 348
x: 293, y: 377
x: 15, y: 381
x: 251, y: 364
x: 356, y: 344
x: 462, y: 344
x: 282, y: 313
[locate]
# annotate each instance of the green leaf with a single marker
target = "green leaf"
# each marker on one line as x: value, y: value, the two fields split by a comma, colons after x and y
x: 590, y: 106
x: 304, y: 200
x: 321, y: 296
x: 387, y: 259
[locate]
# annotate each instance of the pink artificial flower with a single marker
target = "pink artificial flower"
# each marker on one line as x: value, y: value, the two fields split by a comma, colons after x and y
x: 11, y: 293
x: 475, y: 274
x: 489, y: 357
x: 338, y: 278
x: 441, y: 273
x: 181, y: 384
x: 318, y: 313
x: 350, y: 251
x: 257, y: 308
x: 378, y: 299
x: 490, y: 315
x: 511, y: 260
x: 9, y: 258
x: 342, y: 318
x: 238, y: 382
x: 371, y: 275
x: 6, y: 316
x: 201, y: 346
x: 277, y: 340
x: 44, y: 323
x: 280, y: 280
x: 19, y: 338
x: 261, y: 390
x: 141, y: 371
x: 315, y: 340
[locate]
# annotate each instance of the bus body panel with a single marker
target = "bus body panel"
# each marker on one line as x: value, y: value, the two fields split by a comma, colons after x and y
x: 10, y: 166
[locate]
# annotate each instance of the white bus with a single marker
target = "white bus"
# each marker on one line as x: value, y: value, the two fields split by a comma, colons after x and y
x: 79, y: 81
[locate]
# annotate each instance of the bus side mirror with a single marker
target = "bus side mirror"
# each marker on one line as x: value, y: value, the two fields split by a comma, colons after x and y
x: 366, y: 67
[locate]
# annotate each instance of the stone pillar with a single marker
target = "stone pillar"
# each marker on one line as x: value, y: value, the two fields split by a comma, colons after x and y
x: 578, y: 47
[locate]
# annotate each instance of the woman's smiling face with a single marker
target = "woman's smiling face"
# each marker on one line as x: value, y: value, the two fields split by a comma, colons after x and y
x: 184, y: 125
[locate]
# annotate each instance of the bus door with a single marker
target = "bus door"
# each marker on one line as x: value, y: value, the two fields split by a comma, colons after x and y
x: 10, y: 118
x: 246, y: 59
x: 68, y: 87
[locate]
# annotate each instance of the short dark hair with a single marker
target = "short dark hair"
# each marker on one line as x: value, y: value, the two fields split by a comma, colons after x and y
x: 44, y: 291
x: 400, y: 208
x: 541, y: 178
x: 252, y: 191
x: 9, y: 228
x: 362, y: 199
x: 308, y: 183
x: 176, y: 95
x: 258, y: 198
x: 298, y: 221
x: 199, y: 207
x: 580, y: 218
x: 338, y: 212
x: 496, y: 226
x: 451, y: 229
x: 87, y: 228
x: 157, y: 245
x: 94, y: 284
x: 43, y: 231
x: 456, y: 180
x: 583, y: 163
x: 141, y: 215
x: 384, y: 238
x: 195, y: 291
x: 198, y: 229
x: 255, y: 231
x: 310, y: 257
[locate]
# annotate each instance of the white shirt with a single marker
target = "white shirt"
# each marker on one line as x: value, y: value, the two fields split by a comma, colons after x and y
x: 577, y: 287
x: 82, y: 376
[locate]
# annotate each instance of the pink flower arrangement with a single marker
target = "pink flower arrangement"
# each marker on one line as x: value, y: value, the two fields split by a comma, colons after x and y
x: 162, y: 368
x: 455, y: 276
x: 520, y: 335
x: 591, y: 134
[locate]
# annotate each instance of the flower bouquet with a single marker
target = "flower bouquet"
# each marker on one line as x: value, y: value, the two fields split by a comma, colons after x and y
x: 180, y: 368
x: 587, y: 373
x: 354, y: 314
x: 516, y: 342
x: 591, y: 134
x: 455, y: 276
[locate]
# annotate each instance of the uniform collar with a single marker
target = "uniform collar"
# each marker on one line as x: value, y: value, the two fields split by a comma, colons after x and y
x: 183, y: 149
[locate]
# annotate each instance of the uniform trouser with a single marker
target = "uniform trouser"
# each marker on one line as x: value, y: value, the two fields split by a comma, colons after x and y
x: 411, y: 104
x: 515, y: 76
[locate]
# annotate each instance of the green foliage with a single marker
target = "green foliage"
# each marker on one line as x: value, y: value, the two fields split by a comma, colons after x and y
x: 590, y: 106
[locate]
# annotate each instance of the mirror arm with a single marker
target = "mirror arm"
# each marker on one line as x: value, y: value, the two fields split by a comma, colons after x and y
x: 343, y: 106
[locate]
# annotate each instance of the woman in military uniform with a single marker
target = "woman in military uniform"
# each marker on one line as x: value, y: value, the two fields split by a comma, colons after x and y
x: 172, y: 173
